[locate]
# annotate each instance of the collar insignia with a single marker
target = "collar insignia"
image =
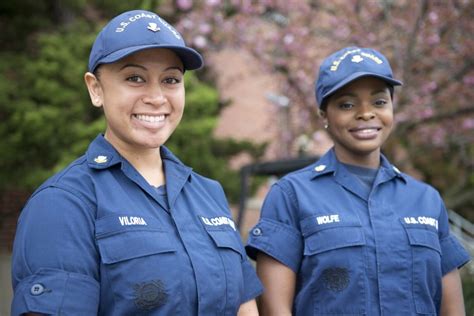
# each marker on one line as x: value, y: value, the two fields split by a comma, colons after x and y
x: 100, y: 159
x: 320, y: 168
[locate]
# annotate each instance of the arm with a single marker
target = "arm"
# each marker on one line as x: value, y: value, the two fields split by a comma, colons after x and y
x: 248, y: 309
x: 279, y: 283
x: 55, y: 247
x: 452, y: 302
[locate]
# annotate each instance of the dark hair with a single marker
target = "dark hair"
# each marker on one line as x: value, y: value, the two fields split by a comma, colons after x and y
x: 96, y: 72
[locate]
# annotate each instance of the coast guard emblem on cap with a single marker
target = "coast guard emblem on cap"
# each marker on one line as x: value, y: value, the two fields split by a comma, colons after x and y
x: 357, y: 59
x: 100, y: 159
x: 153, y: 27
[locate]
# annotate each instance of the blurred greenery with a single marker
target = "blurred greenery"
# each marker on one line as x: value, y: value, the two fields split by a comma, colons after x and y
x: 47, y: 119
x: 468, y: 291
x: 193, y: 142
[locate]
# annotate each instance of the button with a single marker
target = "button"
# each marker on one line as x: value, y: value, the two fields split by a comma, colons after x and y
x: 37, y: 289
x: 256, y: 231
x: 320, y: 168
x: 396, y: 169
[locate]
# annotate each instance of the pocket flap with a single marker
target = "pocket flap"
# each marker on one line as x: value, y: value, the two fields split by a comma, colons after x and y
x: 123, y: 242
x: 424, y: 238
x: 227, y: 239
x: 333, y: 238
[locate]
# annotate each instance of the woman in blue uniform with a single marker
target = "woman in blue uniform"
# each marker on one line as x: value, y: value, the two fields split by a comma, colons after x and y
x: 351, y: 234
x: 127, y: 229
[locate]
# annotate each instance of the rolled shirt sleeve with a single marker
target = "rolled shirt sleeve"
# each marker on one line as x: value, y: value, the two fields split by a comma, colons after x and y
x: 453, y: 254
x: 252, y: 285
x: 55, y: 260
x: 55, y: 292
x: 277, y: 233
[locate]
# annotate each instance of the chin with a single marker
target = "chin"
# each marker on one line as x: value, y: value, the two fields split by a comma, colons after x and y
x: 153, y: 145
x: 151, y: 140
x: 367, y: 151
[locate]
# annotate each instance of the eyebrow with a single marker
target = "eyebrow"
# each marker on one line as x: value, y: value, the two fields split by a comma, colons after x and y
x: 144, y: 68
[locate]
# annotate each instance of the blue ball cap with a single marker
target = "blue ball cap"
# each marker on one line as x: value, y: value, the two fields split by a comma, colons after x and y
x: 349, y: 64
x: 136, y: 30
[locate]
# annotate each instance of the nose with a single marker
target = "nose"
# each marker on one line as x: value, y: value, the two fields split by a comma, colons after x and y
x: 154, y: 96
x: 365, y: 112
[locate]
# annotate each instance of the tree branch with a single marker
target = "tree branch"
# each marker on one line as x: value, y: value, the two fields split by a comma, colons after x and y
x: 410, y: 48
x: 405, y: 127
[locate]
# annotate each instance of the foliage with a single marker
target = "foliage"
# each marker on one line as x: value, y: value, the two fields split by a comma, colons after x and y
x: 430, y: 46
x: 468, y: 291
x: 45, y: 114
x: 47, y: 119
x: 192, y: 140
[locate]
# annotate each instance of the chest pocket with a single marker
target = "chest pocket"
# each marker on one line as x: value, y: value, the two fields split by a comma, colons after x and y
x: 139, y: 264
x: 231, y: 253
x: 326, y: 237
x: 334, y: 260
x: 426, y: 266
x: 124, y: 242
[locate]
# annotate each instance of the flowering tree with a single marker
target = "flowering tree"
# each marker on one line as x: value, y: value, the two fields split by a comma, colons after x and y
x: 429, y: 44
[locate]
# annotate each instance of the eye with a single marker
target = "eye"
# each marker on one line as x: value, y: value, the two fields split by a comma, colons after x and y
x: 135, y: 78
x: 346, y: 106
x: 172, y: 80
x: 380, y: 103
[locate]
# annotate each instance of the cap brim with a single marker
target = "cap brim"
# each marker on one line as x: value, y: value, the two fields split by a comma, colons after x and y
x: 358, y: 75
x: 191, y: 59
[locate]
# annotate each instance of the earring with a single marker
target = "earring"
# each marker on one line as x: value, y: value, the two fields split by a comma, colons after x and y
x: 97, y: 102
x: 326, y: 125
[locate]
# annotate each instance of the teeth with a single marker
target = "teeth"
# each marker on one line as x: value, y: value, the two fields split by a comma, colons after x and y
x: 366, y: 130
x: 150, y: 118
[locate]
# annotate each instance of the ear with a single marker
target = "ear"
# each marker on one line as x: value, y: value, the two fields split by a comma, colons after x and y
x: 322, y: 114
x: 95, y: 89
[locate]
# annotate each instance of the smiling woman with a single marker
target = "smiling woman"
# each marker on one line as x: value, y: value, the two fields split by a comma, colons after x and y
x: 359, y: 117
x: 143, y: 100
x: 128, y: 229
x: 354, y: 204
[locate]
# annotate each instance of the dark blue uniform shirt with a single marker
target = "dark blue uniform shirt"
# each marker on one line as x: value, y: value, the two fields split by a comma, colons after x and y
x: 384, y: 253
x: 98, y: 239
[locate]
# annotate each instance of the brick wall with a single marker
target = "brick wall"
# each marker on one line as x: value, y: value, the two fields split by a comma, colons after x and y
x: 11, y: 203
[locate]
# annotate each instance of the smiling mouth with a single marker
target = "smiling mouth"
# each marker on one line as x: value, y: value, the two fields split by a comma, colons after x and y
x: 150, y: 118
x: 367, y: 130
x: 365, y: 133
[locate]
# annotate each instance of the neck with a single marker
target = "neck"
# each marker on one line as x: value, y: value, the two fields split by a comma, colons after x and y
x: 149, y: 165
x: 147, y: 162
x: 371, y: 160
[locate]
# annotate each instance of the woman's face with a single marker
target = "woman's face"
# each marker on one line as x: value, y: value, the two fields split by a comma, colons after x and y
x: 142, y: 96
x: 360, y: 119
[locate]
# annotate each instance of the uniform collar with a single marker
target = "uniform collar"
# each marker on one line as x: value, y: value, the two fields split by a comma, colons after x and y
x: 101, y: 154
x: 328, y: 164
x: 389, y: 171
x: 177, y: 174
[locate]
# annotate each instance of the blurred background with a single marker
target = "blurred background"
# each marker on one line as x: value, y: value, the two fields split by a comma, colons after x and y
x: 253, y: 102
